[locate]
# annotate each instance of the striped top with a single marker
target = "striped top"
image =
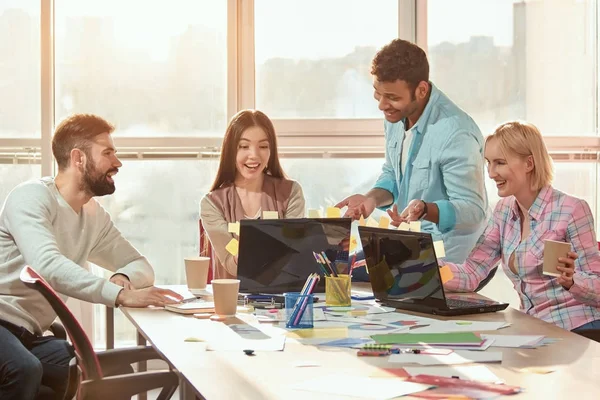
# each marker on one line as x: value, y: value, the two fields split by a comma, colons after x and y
x: 556, y: 216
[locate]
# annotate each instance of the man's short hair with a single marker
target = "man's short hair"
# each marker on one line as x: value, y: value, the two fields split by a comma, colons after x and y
x: 402, y: 60
x: 77, y: 132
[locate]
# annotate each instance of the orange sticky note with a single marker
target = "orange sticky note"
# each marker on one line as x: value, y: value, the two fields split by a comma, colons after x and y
x: 232, y: 247
x: 361, y: 221
x: 384, y: 222
x: 446, y: 273
x: 333, y: 212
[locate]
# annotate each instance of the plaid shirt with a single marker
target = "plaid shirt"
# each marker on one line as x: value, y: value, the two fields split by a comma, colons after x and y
x: 554, y: 215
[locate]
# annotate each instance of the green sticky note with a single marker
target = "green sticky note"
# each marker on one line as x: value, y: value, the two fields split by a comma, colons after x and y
x: 427, y: 338
x: 464, y: 323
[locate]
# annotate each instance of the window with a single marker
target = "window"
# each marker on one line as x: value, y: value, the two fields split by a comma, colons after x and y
x: 169, y: 75
x: 316, y: 64
x: 19, y: 69
x: 343, y: 177
x: 14, y: 174
x: 151, y: 68
x: 521, y: 63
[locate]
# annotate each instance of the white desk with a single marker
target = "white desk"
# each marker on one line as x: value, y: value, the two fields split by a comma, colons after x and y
x: 233, y: 375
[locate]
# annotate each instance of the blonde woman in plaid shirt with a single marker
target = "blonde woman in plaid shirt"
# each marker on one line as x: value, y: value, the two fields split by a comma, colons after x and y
x: 531, y: 211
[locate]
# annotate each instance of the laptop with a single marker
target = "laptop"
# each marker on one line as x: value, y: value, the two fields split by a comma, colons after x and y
x: 276, y: 255
x: 404, y: 274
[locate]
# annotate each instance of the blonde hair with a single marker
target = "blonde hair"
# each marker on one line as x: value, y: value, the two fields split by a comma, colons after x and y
x: 524, y: 139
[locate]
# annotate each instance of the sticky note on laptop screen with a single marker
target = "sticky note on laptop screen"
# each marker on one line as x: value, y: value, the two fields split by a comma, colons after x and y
x: 415, y: 226
x: 314, y: 213
x: 361, y: 221
x: 334, y: 212
x: 384, y: 222
x: 353, y: 244
x: 440, y: 251
x: 234, y: 227
x: 232, y: 247
x: 270, y: 215
x: 446, y: 273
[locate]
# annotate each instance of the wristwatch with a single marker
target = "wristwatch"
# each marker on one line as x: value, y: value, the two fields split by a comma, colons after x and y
x: 424, y: 210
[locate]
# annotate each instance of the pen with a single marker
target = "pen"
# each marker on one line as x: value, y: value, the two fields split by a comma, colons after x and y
x: 329, y: 264
x: 372, y: 353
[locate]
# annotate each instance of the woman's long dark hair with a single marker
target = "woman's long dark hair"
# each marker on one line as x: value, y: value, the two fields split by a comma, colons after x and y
x: 239, y: 123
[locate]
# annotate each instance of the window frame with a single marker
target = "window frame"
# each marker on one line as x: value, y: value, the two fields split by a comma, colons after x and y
x: 298, y: 138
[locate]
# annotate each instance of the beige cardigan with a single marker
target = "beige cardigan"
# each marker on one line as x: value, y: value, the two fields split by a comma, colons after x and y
x: 222, y: 206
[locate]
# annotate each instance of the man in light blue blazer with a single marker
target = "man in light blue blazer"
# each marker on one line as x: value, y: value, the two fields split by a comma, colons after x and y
x: 434, y: 165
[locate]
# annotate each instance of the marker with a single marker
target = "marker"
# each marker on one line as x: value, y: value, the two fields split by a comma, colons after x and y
x: 371, y: 353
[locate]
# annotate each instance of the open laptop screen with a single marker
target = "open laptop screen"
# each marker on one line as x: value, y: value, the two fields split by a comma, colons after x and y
x: 276, y: 255
x: 402, y: 266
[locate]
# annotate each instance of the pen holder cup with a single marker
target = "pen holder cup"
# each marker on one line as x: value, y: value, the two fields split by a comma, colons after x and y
x: 338, y: 290
x: 298, y: 310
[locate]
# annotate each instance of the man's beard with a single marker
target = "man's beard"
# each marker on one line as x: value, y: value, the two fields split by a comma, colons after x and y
x: 96, y: 183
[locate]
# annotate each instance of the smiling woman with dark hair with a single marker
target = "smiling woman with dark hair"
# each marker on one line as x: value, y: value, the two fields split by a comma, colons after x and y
x: 249, y: 181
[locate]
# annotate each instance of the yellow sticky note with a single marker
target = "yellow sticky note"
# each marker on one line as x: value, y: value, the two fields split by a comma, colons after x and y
x: 314, y: 213
x: 404, y: 226
x: 334, y: 212
x: 384, y: 222
x: 232, y: 247
x: 319, y: 333
x: 440, y: 251
x: 446, y: 273
x: 234, y: 227
x: 361, y: 221
x: 415, y: 226
x: 270, y: 215
x: 372, y: 223
x: 353, y: 244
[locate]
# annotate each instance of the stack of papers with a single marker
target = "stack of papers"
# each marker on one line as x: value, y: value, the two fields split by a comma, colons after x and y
x: 517, y: 341
x: 461, y: 326
x: 479, y: 373
x: 361, y: 386
x: 456, y: 357
x: 460, y: 340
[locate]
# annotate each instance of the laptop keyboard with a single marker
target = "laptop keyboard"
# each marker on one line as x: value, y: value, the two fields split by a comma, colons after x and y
x: 455, y: 303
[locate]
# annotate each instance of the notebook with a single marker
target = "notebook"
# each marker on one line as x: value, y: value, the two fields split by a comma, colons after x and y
x: 192, y: 306
x: 404, y: 274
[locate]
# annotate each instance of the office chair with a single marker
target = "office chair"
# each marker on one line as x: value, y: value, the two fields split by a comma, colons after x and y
x: 593, y: 334
x: 89, y: 374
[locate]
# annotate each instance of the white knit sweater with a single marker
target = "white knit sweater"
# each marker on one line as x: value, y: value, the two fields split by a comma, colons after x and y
x: 39, y: 228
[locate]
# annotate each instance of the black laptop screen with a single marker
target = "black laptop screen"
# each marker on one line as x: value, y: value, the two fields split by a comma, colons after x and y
x: 276, y: 255
x: 402, y: 266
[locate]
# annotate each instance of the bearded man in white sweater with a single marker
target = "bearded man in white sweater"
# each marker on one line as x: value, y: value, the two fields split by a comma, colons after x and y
x: 56, y: 226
